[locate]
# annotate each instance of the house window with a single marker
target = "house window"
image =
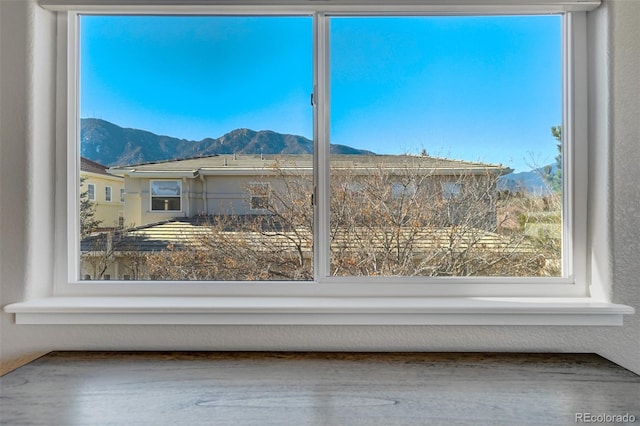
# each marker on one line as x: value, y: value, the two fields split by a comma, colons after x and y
x: 405, y: 189
x: 122, y: 195
x: 451, y: 190
x: 107, y: 193
x: 166, y: 195
x: 368, y: 184
x: 91, y: 192
x: 259, y: 195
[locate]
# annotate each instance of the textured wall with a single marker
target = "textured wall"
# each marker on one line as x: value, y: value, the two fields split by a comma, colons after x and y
x: 27, y: 116
x: 624, y: 134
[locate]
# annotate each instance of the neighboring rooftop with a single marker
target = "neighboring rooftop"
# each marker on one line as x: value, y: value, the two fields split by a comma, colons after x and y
x: 180, y: 233
x: 89, y: 166
x: 305, y: 161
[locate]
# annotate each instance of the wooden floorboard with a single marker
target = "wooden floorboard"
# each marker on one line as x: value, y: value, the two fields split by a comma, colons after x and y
x: 204, y: 388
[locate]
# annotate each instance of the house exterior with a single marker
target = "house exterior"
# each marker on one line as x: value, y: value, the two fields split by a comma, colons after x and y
x: 174, y: 205
x: 105, y: 191
x: 237, y: 184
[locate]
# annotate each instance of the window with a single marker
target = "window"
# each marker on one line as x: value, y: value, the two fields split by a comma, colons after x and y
x: 122, y: 195
x: 107, y: 194
x: 401, y: 300
x: 399, y: 171
x: 259, y: 198
x: 433, y: 111
x: 166, y: 195
x: 91, y: 192
x: 404, y: 189
x: 451, y: 190
x: 250, y: 128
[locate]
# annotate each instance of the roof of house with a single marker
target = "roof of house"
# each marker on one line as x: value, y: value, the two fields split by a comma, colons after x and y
x: 187, y: 232
x: 238, y: 163
x: 87, y: 165
x: 177, y: 233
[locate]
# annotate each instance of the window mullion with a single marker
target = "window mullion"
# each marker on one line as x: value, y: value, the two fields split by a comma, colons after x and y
x: 69, y: 26
x: 322, y: 145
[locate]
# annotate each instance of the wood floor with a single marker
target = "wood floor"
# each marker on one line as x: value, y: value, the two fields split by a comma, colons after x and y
x: 131, y: 389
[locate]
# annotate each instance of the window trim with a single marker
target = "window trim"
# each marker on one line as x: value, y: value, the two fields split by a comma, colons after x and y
x: 151, y: 196
x: 302, y: 6
x: 108, y: 194
x: 571, y: 286
x: 249, y: 310
x: 91, y: 194
x: 98, y: 309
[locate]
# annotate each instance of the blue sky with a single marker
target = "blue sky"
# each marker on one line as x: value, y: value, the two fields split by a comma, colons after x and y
x: 475, y: 88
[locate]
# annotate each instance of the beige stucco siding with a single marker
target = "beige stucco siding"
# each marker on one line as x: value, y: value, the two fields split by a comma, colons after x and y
x: 210, y: 195
x: 108, y: 212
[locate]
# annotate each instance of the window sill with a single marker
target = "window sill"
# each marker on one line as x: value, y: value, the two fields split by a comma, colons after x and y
x: 318, y: 311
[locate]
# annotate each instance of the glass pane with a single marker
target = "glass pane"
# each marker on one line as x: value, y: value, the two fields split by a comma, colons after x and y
x: 458, y: 120
x: 187, y: 116
x: 165, y: 203
x: 165, y: 187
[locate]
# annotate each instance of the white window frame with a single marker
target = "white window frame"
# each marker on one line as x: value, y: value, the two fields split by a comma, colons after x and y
x: 151, y: 196
x: 489, y: 301
x: 91, y: 191
x: 574, y: 284
x: 122, y: 195
x: 108, y: 194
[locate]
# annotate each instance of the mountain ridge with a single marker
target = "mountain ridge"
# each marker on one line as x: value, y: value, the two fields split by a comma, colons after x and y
x: 531, y: 182
x: 112, y: 145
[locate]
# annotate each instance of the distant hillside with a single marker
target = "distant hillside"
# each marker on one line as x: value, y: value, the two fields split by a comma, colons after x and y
x: 529, y: 182
x: 109, y: 144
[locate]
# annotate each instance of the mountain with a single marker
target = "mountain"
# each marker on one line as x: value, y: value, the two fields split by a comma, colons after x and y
x: 531, y: 182
x: 110, y: 145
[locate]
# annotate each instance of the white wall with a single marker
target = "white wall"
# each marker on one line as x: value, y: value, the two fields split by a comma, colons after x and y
x: 623, y: 126
x: 27, y: 116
